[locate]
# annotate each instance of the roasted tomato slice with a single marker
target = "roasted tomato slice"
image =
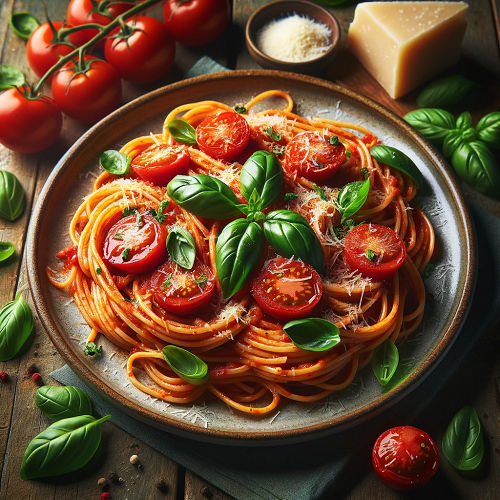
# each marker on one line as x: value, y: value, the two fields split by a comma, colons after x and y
x: 405, y: 457
x: 287, y: 289
x: 374, y: 250
x: 135, y: 244
x: 160, y: 164
x: 181, y: 291
x: 223, y: 136
x: 313, y: 156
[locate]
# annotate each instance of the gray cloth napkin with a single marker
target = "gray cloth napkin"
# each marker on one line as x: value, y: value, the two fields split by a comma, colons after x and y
x: 322, y: 468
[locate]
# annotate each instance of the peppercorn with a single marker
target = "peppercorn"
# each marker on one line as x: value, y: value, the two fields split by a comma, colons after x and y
x: 105, y: 495
x: 4, y: 377
x: 114, y: 477
x: 134, y: 459
x: 161, y: 485
x: 102, y: 483
x: 36, y: 377
x: 205, y: 491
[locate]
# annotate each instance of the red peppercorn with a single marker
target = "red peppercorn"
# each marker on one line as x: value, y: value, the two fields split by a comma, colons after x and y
x: 105, y: 495
x: 4, y: 377
x: 36, y: 376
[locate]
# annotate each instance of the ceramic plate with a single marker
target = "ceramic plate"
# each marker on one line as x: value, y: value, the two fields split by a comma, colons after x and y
x: 451, y: 283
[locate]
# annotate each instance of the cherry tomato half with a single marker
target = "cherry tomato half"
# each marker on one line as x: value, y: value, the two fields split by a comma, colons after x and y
x: 405, y: 457
x: 181, y: 291
x: 90, y: 95
x: 146, y: 55
x: 374, y: 250
x: 287, y: 289
x: 135, y: 244
x: 28, y: 125
x: 196, y: 22
x: 160, y: 164
x: 310, y: 155
x: 223, y: 136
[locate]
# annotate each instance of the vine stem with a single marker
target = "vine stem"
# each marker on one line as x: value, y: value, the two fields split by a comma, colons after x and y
x: 104, y: 30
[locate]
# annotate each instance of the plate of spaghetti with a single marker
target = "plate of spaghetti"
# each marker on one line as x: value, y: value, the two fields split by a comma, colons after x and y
x: 252, y: 257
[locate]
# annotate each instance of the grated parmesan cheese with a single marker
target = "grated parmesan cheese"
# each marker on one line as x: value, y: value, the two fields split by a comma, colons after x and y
x: 294, y: 39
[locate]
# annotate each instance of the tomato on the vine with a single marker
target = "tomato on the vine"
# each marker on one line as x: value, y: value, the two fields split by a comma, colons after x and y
x: 135, y: 244
x: 89, y: 94
x: 223, y: 136
x: 82, y: 12
x: 143, y: 56
x: 195, y: 22
x: 314, y: 156
x: 181, y: 291
x: 374, y: 250
x: 28, y: 124
x: 405, y: 457
x: 287, y: 289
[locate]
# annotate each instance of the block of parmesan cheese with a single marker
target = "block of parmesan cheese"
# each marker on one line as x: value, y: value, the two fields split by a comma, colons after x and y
x: 404, y: 44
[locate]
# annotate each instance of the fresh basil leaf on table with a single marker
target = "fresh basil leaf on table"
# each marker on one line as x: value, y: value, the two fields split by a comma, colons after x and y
x: 444, y: 92
x: 65, y: 446
x: 10, y: 76
x: 463, y: 444
x: 291, y: 235
x: 16, y: 325
x: 238, y: 249
x: 115, y: 163
x: 352, y: 197
x: 433, y: 124
x: 312, y: 334
x: 23, y: 24
x: 187, y: 365
x: 385, y: 361
x: 59, y: 402
x: 204, y: 196
x: 181, y: 247
x: 451, y: 143
x: 464, y: 120
x: 182, y: 131
x: 488, y: 129
x: 11, y: 196
x: 398, y: 160
x: 6, y: 250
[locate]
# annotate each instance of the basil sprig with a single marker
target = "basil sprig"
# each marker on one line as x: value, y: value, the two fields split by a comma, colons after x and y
x: 204, y: 196
x: 181, y: 247
x: 182, y: 131
x: 10, y: 76
x: 11, y: 196
x: 23, y: 24
x: 352, y: 197
x: 65, y: 446
x: 187, y: 365
x: 16, y: 325
x: 433, y: 124
x: 115, y: 163
x: 237, y: 252
x: 463, y: 444
x: 488, y: 129
x: 398, y: 160
x: 444, y: 92
x: 312, y: 334
x: 59, y: 402
x: 6, y: 250
x: 385, y: 361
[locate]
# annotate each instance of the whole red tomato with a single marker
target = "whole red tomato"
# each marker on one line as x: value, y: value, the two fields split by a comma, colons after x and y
x: 405, y: 457
x: 90, y: 94
x: 144, y: 56
x: 195, y: 22
x: 28, y: 125
x: 79, y: 13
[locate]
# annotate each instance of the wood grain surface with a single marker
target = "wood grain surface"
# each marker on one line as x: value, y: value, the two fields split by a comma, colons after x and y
x: 477, y: 381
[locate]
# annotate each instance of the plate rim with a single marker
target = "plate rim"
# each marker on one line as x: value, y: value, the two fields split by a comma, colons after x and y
x: 355, y: 417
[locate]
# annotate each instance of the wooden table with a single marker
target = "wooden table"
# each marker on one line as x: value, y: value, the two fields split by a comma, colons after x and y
x: 477, y: 381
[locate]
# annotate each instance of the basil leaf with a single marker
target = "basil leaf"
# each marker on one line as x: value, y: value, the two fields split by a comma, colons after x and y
x: 115, y: 163
x: 444, y: 92
x: 63, y: 447
x: 6, y: 250
x: 240, y: 109
x: 398, y: 160
x: 16, y: 324
x: 181, y: 247
x: 433, y: 124
x: 10, y: 76
x: 464, y: 120
x: 11, y: 196
x: 385, y: 361
x: 59, y: 402
x: 475, y: 164
x: 312, y: 334
x: 262, y: 172
x: 237, y: 252
x: 182, y: 131
x: 488, y: 129
x: 463, y: 444
x: 188, y: 366
x: 451, y: 143
x: 204, y: 196
x: 352, y: 197
x: 23, y: 24
x: 291, y: 235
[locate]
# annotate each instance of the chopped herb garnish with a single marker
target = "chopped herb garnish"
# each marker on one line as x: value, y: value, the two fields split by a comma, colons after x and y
x: 159, y: 215
x: 91, y: 349
x: 290, y: 196
x: 240, y: 109
x: 125, y: 254
x: 129, y: 211
x: 272, y: 134
x: 334, y: 140
x: 98, y: 271
x: 429, y: 269
x: 138, y: 219
x: 370, y: 255
x: 118, y: 236
x: 320, y: 192
x: 278, y: 150
x: 348, y: 153
x: 168, y: 281
x: 201, y: 280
